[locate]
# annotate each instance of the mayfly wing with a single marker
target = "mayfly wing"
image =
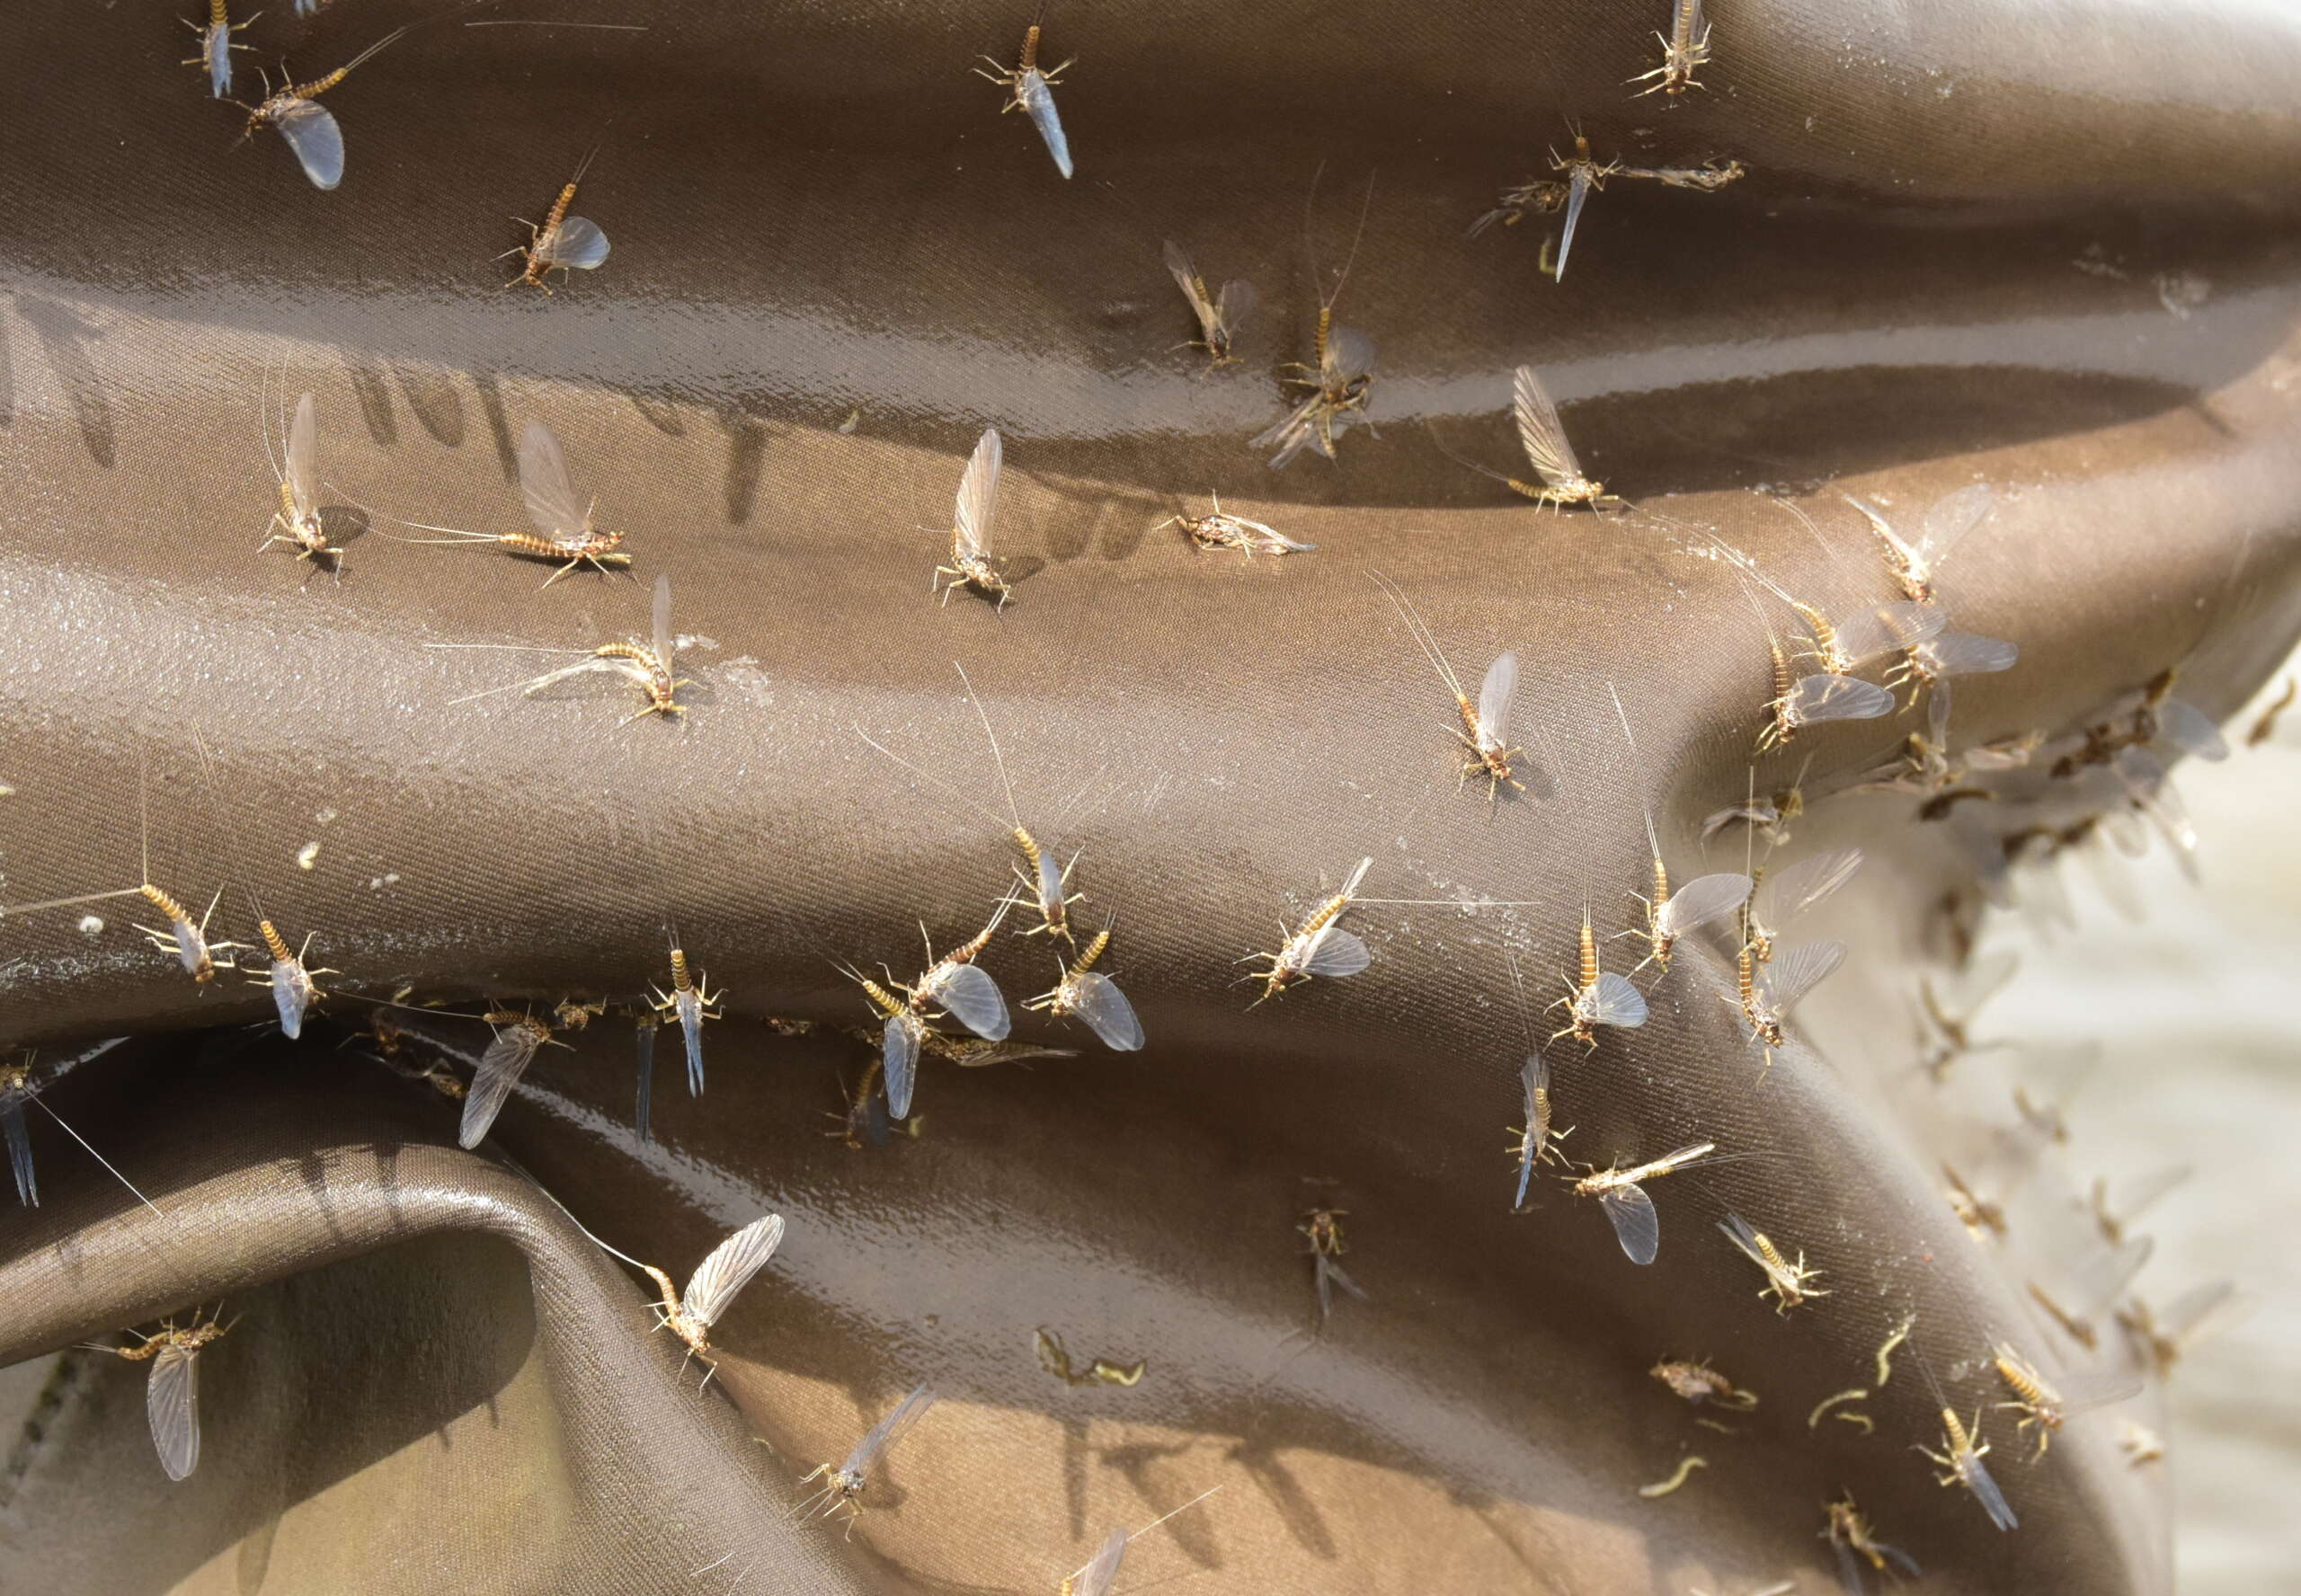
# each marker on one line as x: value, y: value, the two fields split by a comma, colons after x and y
x: 1950, y: 518
x: 1533, y: 1078
x: 1849, y: 1567
x: 1097, y: 1000
x: 1983, y: 1485
x: 303, y: 457
x: 1039, y: 103
x: 1967, y: 653
x: 690, y: 1007
x: 890, y: 1430
x: 662, y: 620
x: 1837, y: 698
x: 20, y: 1150
x: 1350, y: 354
x: 1701, y: 900
x: 1185, y: 275
x: 1900, y: 623
x: 318, y: 143
x: 730, y: 1267
x: 1293, y: 432
x: 1540, y: 431
x: 979, y: 496
x: 2190, y: 730
x: 552, y: 504
x: 1235, y: 301
x: 576, y: 243
x: 1097, y: 1577
x: 899, y: 1050
x: 1050, y: 884
x: 1330, y: 1275
x: 1336, y: 952
x: 1739, y: 1232
x: 1806, y: 884
x: 290, y: 994
x: 973, y: 998
x: 1615, y: 1000
x: 2082, y: 1393
x: 1637, y: 1226
x: 1798, y: 971
x: 1493, y: 695
x: 172, y: 1404
x: 2136, y: 1197
x: 1577, y: 189
x: 1357, y: 875
x: 2153, y: 792
x: 506, y: 1058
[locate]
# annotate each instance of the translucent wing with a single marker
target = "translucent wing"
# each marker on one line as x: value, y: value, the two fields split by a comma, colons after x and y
x: 1798, y: 971
x: 978, y: 496
x: 20, y: 1152
x: 552, y: 504
x: 1967, y: 653
x: 1336, y: 952
x: 2154, y: 793
x: 1493, y: 695
x: 1577, y: 189
x: 2082, y: 1393
x: 1701, y: 900
x: 2104, y: 1276
x: 1050, y: 885
x: 1096, y: 1578
x: 899, y: 1049
x: 643, y: 1116
x: 1637, y: 1226
x: 2134, y: 1197
x: 1898, y: 625
x: 1293, y: 432
x: 890, y: 1429
x: 289, y: 997
x: 1186, y: 277
x: 690, y: 1007
x: 1797, y: 889
x: 730, y: 1267
x: 1350, y: 353
x: 1950, y: 518
x: 1097, y: 1000
x: 1236, y: 302
x: 1533, y: 1075
x: 303, y: 457
x: 971, y: 997
x: 1849, y: 1569
x: 1899, y: 1559
x: 172, y: 1402
x: 318, y: 143
x: 1738, y: 1231
x: 1039, y: 103
x: 1331, y: 1274
x: 2190, y: 730
x: 1979, y: 1481
x: 1837, y: 698
x: 2194, y: 1307
x: 217, y: 42
x: 506, y: 1058
x: 1540, y: 431
x: 660, y: 619
x: 1614, y: 1000
x: 577, y: 242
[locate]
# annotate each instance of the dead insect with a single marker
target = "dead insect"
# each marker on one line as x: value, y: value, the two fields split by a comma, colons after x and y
x: 1961, y: 1464
x: 1698, y: 1383
x: 1789, y: 1284
x: 2045, y: 1408
x: 691, y: 1002
x: 1484, y: 732
x: 978, y: 503
x: 1768, y: 995
x: 1708, y: 177
x: 844, y: 1485
x: 1623, y: 1198
x: 1084, y: 993
x: 973, y: 1052
x: 1323, y: 1227
x: 571, y: 1015
x: 647, y: 666
x: 1980, y: 1218
x: 1339, y: 376
x: 1542, y: 436
x: 172, y: 1394
x: 1595, y: 998
x: 1685, y: 48
x: 564, y: 533
x: 1916, y: 565
x: 518, y: 1037
x: 1855, y: 1543
x: 1055, y: 1359
x: 1033, y: 92
x: 1539, y: 197
x: 1223, y: 530
x: 309, y: 129
x: 1319, y: 947
x: 1217, y: 314
x: 561, y: 243
x: 215, y: 48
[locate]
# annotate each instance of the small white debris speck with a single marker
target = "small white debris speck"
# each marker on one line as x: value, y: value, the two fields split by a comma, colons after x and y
x: 309, y: 856
x: 92, y: 925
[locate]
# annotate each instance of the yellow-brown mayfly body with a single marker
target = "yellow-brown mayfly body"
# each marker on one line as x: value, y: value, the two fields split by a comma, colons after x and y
x: 1686, y: 49
x: 1787, y: 1283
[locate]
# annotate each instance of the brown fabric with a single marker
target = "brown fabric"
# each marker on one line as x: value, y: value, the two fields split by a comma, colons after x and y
x: 2052, y: 251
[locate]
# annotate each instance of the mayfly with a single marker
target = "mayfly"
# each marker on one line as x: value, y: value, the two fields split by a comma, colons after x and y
x: 564, y: 533
x: 1623, y: 1198
x: 1685, y: 48
x: 1339, y: 376
x: 690, y: 1001
x: 1781, y: 899
x: 186, y: 939
x: 1536, y: 1141
x: 2044, y: 1407
x: 1223, y: 529
x: 1583, y: 175
x: 978, y: 504
x: 1787, y: 1283
x: 295, y: 989
x: 297, y: 522
x: 1033, y: 92
x: 962, y: 989
x: 1916, y: 565
x: 1485, y: 730
x: 647, y: 666
x: 1101, y: 1572
x: 1708, y: 177
x: 1698, y: 1383
x: 1319, y: 947
x: 1768, y: 994
x: 1323, y: 1228
x: 710, y: 1290
x: 1217, y: 314
x: 1082, y: 992
x: 2165, y: 1338
x: 172, y: 1394
x: 518, y: 1037
x: 844, y: 1485
x: 1961, y: 1464
x: 1595, y: 998
x: 215, y: 48
x: 561, y: 242
x: 16, y: 1090
x: 307, y: 126
x: 901, y: 1032
x: 2133, y: 1198
x: 1982, y: 1219
x: 1855, y: 1543
x: 1538, y: 197
x: 1542, y: 436
x: 1696, y: 904
x: 1802, y: 701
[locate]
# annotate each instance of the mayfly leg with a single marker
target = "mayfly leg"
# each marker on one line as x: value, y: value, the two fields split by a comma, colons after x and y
x: 1686, y: 49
